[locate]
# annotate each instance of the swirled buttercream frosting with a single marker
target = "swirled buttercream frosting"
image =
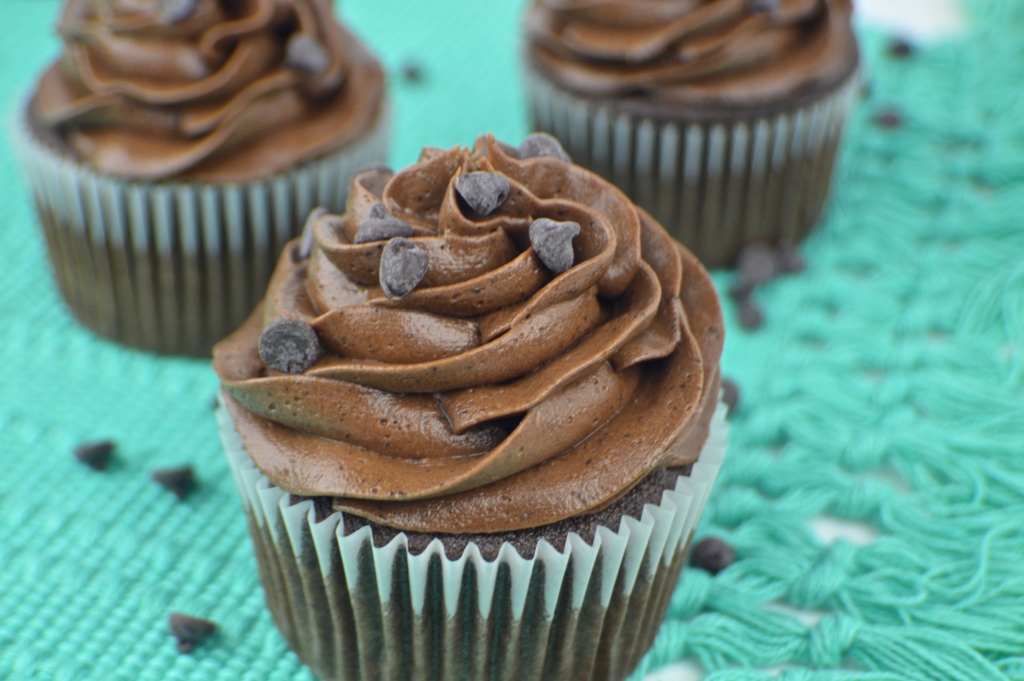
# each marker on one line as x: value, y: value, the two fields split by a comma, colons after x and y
x: 213, y: 90
x: 697, y: 52
x: 555, y: 347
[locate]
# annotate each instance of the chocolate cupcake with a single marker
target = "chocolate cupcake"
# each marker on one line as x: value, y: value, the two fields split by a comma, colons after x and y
x: 721, y: 118
x: 475, y: 422
x: 177, y: 145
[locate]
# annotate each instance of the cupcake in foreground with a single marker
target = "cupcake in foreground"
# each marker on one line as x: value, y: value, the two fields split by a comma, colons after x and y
x: 721, y: 118
x: 475, y: 422
x: 177, y: 145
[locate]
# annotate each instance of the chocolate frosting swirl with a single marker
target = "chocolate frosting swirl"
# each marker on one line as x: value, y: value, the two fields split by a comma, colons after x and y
x: 212, y: 90
x: 496, y: 395
x: 717, y: 53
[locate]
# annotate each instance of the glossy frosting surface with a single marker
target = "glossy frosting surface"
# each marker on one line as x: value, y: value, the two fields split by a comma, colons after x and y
x: 716, y: 53
x: 496, y: 395
x: 214, y: 90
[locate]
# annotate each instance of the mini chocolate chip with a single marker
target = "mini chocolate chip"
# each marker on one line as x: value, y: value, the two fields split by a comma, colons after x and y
x: 189, y: 630
x: 755, y: 6
x: 751, y: 317
x: 730, y: 394
x: 305, y: 54
x: 788, y: 260
x: 173, y: 11
x: 552, y: 241
x: 756, y: 265
x: 380, y: 229
x: 412, y: 71
x: 402, y: 266
x: 888, y: 120
x: 179, y: 480
x: 289, y: 345
x: 306, y: 244
x: 542, y: 144
x: 376, y: 167
x: 95, y: 455
x: 214, y: 402
x: 900, y: 48
x: 712, y: 555
x: 378, y: 210
x: 483, y: 191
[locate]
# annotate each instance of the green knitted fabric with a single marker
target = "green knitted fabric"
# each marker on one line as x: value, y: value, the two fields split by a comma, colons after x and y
x: 887, y: 387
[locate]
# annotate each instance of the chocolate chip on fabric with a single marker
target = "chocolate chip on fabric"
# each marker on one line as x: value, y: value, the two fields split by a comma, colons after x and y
x: 712, y: 555
x: 756, y: 265
x: 900, y: 48
x: 189, y: 630
x: 483, y: 191
x: 306, y: 243
x: 95, y: 455
x: 378, y: 210
x: 179, y: 480
x: 214, y: 402
x: 730, y: 394
x: 173, y: 11
x: 552, y: 242
x: 289, y: 345
x: 542, y: 144
x: 755, y: 6
x: 412, y: 71
x: 376, y: 167
x: 788, y: 260
x: 380, y: 229
x: 402, y: 266
x: 751, y: 317
x: 305, y: 54
x: 888, y: 120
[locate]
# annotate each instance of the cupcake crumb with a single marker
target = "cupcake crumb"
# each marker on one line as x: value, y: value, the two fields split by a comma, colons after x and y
x: 95, y: 455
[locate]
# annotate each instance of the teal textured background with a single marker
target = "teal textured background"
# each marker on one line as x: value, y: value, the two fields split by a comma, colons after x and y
x: 887, y: 387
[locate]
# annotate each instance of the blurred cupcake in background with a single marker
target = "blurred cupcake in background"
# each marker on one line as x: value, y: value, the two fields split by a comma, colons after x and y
x: 177, y: 145
x: 719, y: 117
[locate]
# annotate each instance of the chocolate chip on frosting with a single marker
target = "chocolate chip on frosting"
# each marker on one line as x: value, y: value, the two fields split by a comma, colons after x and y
x: 306, y: 244
x: 552, y: 241
x: 178, y: 480
x: 381, y: 228
x: 542, y: 144
x: 289, y: 345
x: 305, y: 54
x: 95, y: 455
x: 378, y: 210
x: 484, y: 192
x: 189, y: 630
x: 402, y: 266
x: 173, y: 11
x: 755, y: 6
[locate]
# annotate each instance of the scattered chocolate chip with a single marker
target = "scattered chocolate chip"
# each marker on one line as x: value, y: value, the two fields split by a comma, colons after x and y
x: 173, y: 11
x: 788, y: 259
x: 751, y: 317
x: 305, y: 54
x: 712, y: 555
x: 552, y: 241
x: 306, y: 243
x: 380, y: 229
x: 756, y: 265
x: 888, y: 120
x: 730, y: 394
x: 189, y: 630
x: 402, y: 266
x: 755, y: 6
x: 378, y: 210
x: 289, y: 345
x: 483, y: 191
x: 412, y: 71
x: 867, y: 89
x: 542, y: 144
x: 376, y: 167
x: 179, y: 480
x: 214, y: 402
x: 95, y: 455
x: 900, y: 48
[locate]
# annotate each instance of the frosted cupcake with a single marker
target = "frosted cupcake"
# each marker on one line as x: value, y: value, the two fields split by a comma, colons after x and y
x: 177, y: 145
x: 474, y: 422
x: 719, y: 117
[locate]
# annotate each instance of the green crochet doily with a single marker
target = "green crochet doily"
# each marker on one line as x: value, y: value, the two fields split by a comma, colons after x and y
x: 885, y: 388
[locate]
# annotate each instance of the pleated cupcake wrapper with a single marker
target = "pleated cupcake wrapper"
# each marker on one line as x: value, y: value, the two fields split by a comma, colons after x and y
x: 716, y: 186
x: 351, y: 610
x: 176, y: 266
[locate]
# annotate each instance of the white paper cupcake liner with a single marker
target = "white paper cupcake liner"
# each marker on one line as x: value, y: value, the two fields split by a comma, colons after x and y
x: 351, y: 610
x: 176, y: 266
x: 715, y: 186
